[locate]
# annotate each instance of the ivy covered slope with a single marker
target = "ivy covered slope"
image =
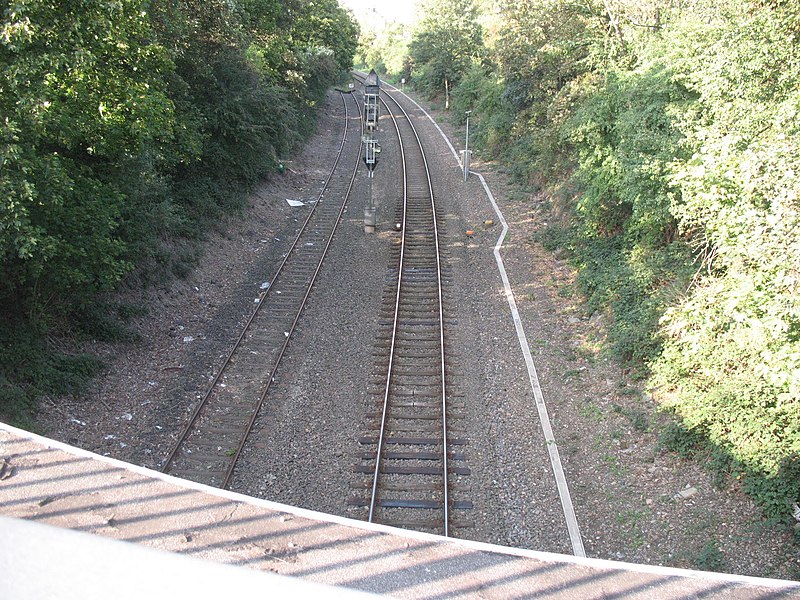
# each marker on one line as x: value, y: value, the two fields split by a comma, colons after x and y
x: 668, y: 136
x: 127, y: 127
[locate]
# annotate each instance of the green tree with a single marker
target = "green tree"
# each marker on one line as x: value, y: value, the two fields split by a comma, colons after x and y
x: 385, y: 50
x: 127, y: 128
x: 667, y: 134
x: 731, y: 361
x: 81, y: 91
x: 447, y: 41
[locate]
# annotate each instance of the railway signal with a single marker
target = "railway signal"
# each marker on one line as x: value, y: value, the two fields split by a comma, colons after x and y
x: 371, y: 151
x: 372, y: 88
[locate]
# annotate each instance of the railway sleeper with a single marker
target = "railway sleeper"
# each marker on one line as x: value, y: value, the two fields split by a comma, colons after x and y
x: 417, y: 321
x: 223, y: 422
x: 198, y: 476
x: 418, y: 428
x: 409, y: 486
x: 222, y: 431
x: 411, y: 440
x: 376, y: 406
x: 413, y: 306
x: 380, y: 389
x: 410, y: 306
x: 401, y: 380
x: 423, y: 405
x: 262, y: 340
x: 423, y: 279
x: 425, y: 524
x: 210, y: 468
x: 408, y: 416
x: 414, y: 371
x: 428, y: 391
x: 413, y: 352
x: 390, y: 276
x: 412, y: 381
x: 221, y: 444
x: 411, y: 339
x: 395, y: 455
x: 409, y: 503
x: 291, y: 286
x: 390, y: 281
x: 406, y: 356
x: 395, y: 420
x: 280, y: 317
x: 422, y: 284
x: 431, y: 411
x: 412, y: 470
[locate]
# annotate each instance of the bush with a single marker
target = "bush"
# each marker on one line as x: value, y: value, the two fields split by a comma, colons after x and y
x: 32, y: 368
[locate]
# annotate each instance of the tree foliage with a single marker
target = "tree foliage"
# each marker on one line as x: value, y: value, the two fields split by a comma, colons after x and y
x: 385, y: 49
x: 128, y: 125
x: 82, y: 91
x: 448, y: 39
x: 667, y: 135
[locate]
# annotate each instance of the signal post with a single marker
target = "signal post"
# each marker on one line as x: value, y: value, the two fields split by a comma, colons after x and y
x: 371, y: 147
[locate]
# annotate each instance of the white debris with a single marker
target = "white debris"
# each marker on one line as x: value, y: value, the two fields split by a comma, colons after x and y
x: 265, y: 285
x: 295, y: 203
x: 188, y: 339
x: 256, y: 300
x: 127, y: 417
x: 77, y: 421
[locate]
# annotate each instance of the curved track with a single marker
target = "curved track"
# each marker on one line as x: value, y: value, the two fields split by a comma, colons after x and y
x: 410, y: 458
x: 209, y: 445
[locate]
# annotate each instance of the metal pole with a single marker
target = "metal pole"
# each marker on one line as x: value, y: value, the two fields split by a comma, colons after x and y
x: 467, y: 144
x: 466, y: 149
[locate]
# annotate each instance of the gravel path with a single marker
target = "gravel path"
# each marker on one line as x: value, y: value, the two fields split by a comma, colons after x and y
x: 625, y: 490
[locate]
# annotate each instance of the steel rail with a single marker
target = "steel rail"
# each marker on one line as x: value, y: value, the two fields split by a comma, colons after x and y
x: 227, y: 361
x: 440, y: 308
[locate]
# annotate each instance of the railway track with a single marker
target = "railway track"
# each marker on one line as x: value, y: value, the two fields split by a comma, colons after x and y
x: 208, y: 447
x: 412, y: 463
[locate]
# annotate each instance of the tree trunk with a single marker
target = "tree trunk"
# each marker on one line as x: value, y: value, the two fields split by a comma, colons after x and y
x: 613, y: 21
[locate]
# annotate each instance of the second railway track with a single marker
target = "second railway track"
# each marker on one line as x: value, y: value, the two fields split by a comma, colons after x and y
x: 208, y: 447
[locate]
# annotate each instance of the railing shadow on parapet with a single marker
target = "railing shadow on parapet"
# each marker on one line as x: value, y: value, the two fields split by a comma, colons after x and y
x: 71, y: 489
